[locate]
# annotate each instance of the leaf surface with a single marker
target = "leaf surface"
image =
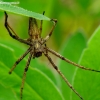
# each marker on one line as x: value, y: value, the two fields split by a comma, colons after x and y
x: 87, y: 83
x: 18, y: 10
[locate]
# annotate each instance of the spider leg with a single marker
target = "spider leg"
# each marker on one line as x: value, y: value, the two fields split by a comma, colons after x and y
x: 24, y: 76
x: 18, y: 61
x: 48, y: 36
x: 10, y: 30
x: 68, y: 61
x: 56, y: 68
x: 41, y: 24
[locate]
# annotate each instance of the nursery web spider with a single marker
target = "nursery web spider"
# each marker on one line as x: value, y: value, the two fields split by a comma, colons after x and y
x: 37, y: 47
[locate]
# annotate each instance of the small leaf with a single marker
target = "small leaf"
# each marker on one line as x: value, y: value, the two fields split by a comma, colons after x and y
x: 87, y: 83
x: 22, y: 11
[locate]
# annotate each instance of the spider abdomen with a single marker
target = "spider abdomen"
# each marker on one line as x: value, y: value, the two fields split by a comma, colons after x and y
x: 38, y: 54
x: 38, y: 49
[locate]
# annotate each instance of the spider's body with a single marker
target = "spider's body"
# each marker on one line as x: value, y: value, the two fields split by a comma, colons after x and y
x: 33, y: 29
x: 35, y: 38
x: 37, y: 47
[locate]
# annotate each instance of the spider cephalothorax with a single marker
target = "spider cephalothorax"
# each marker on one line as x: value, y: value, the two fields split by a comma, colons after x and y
x: 37, y: 47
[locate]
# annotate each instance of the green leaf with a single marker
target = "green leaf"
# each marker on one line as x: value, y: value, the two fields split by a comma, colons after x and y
x: 72, y: 50
x: 37, y: 85
x: 87, y: 83
x: 36, y: 63
x: 22, y: 11
x: 9, y: 93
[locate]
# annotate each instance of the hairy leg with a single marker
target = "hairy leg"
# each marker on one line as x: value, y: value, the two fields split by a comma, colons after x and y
x: 10, y: 30
x: 68, y: 61
x: 50, y: 33
x: 41, y: 24
x: 56, y: 68
x: 24, y: 75
x: 18, y: 61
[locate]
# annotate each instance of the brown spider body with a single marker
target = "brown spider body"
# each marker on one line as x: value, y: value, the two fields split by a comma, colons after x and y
x: 37, y: 47
x: 35, y: 38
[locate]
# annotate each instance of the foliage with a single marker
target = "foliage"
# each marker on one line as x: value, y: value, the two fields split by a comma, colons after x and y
x: 42, y: 82
x: 87, y: 82
x: 19, y: 10
x: 35, y: 79
x: 38, y: 81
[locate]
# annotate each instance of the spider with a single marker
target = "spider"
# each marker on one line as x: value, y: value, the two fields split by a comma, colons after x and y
x: 37, y: 47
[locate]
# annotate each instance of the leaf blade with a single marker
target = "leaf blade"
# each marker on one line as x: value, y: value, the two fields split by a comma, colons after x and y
x: 40, y: 88
x: 22, y: 11
x: 72, y: 50
x: 87, y: 79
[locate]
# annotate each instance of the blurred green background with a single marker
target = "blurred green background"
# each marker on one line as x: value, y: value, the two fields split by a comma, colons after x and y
x: 77, y: 20
x: 72, y: 15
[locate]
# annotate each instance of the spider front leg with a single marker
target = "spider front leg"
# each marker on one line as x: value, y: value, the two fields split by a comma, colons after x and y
x: 41, y: 24
x: 24, y: 75
x: 48, y: 36
x: 10, y: 30
x: 56, y: 68
x: 68, y: 61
